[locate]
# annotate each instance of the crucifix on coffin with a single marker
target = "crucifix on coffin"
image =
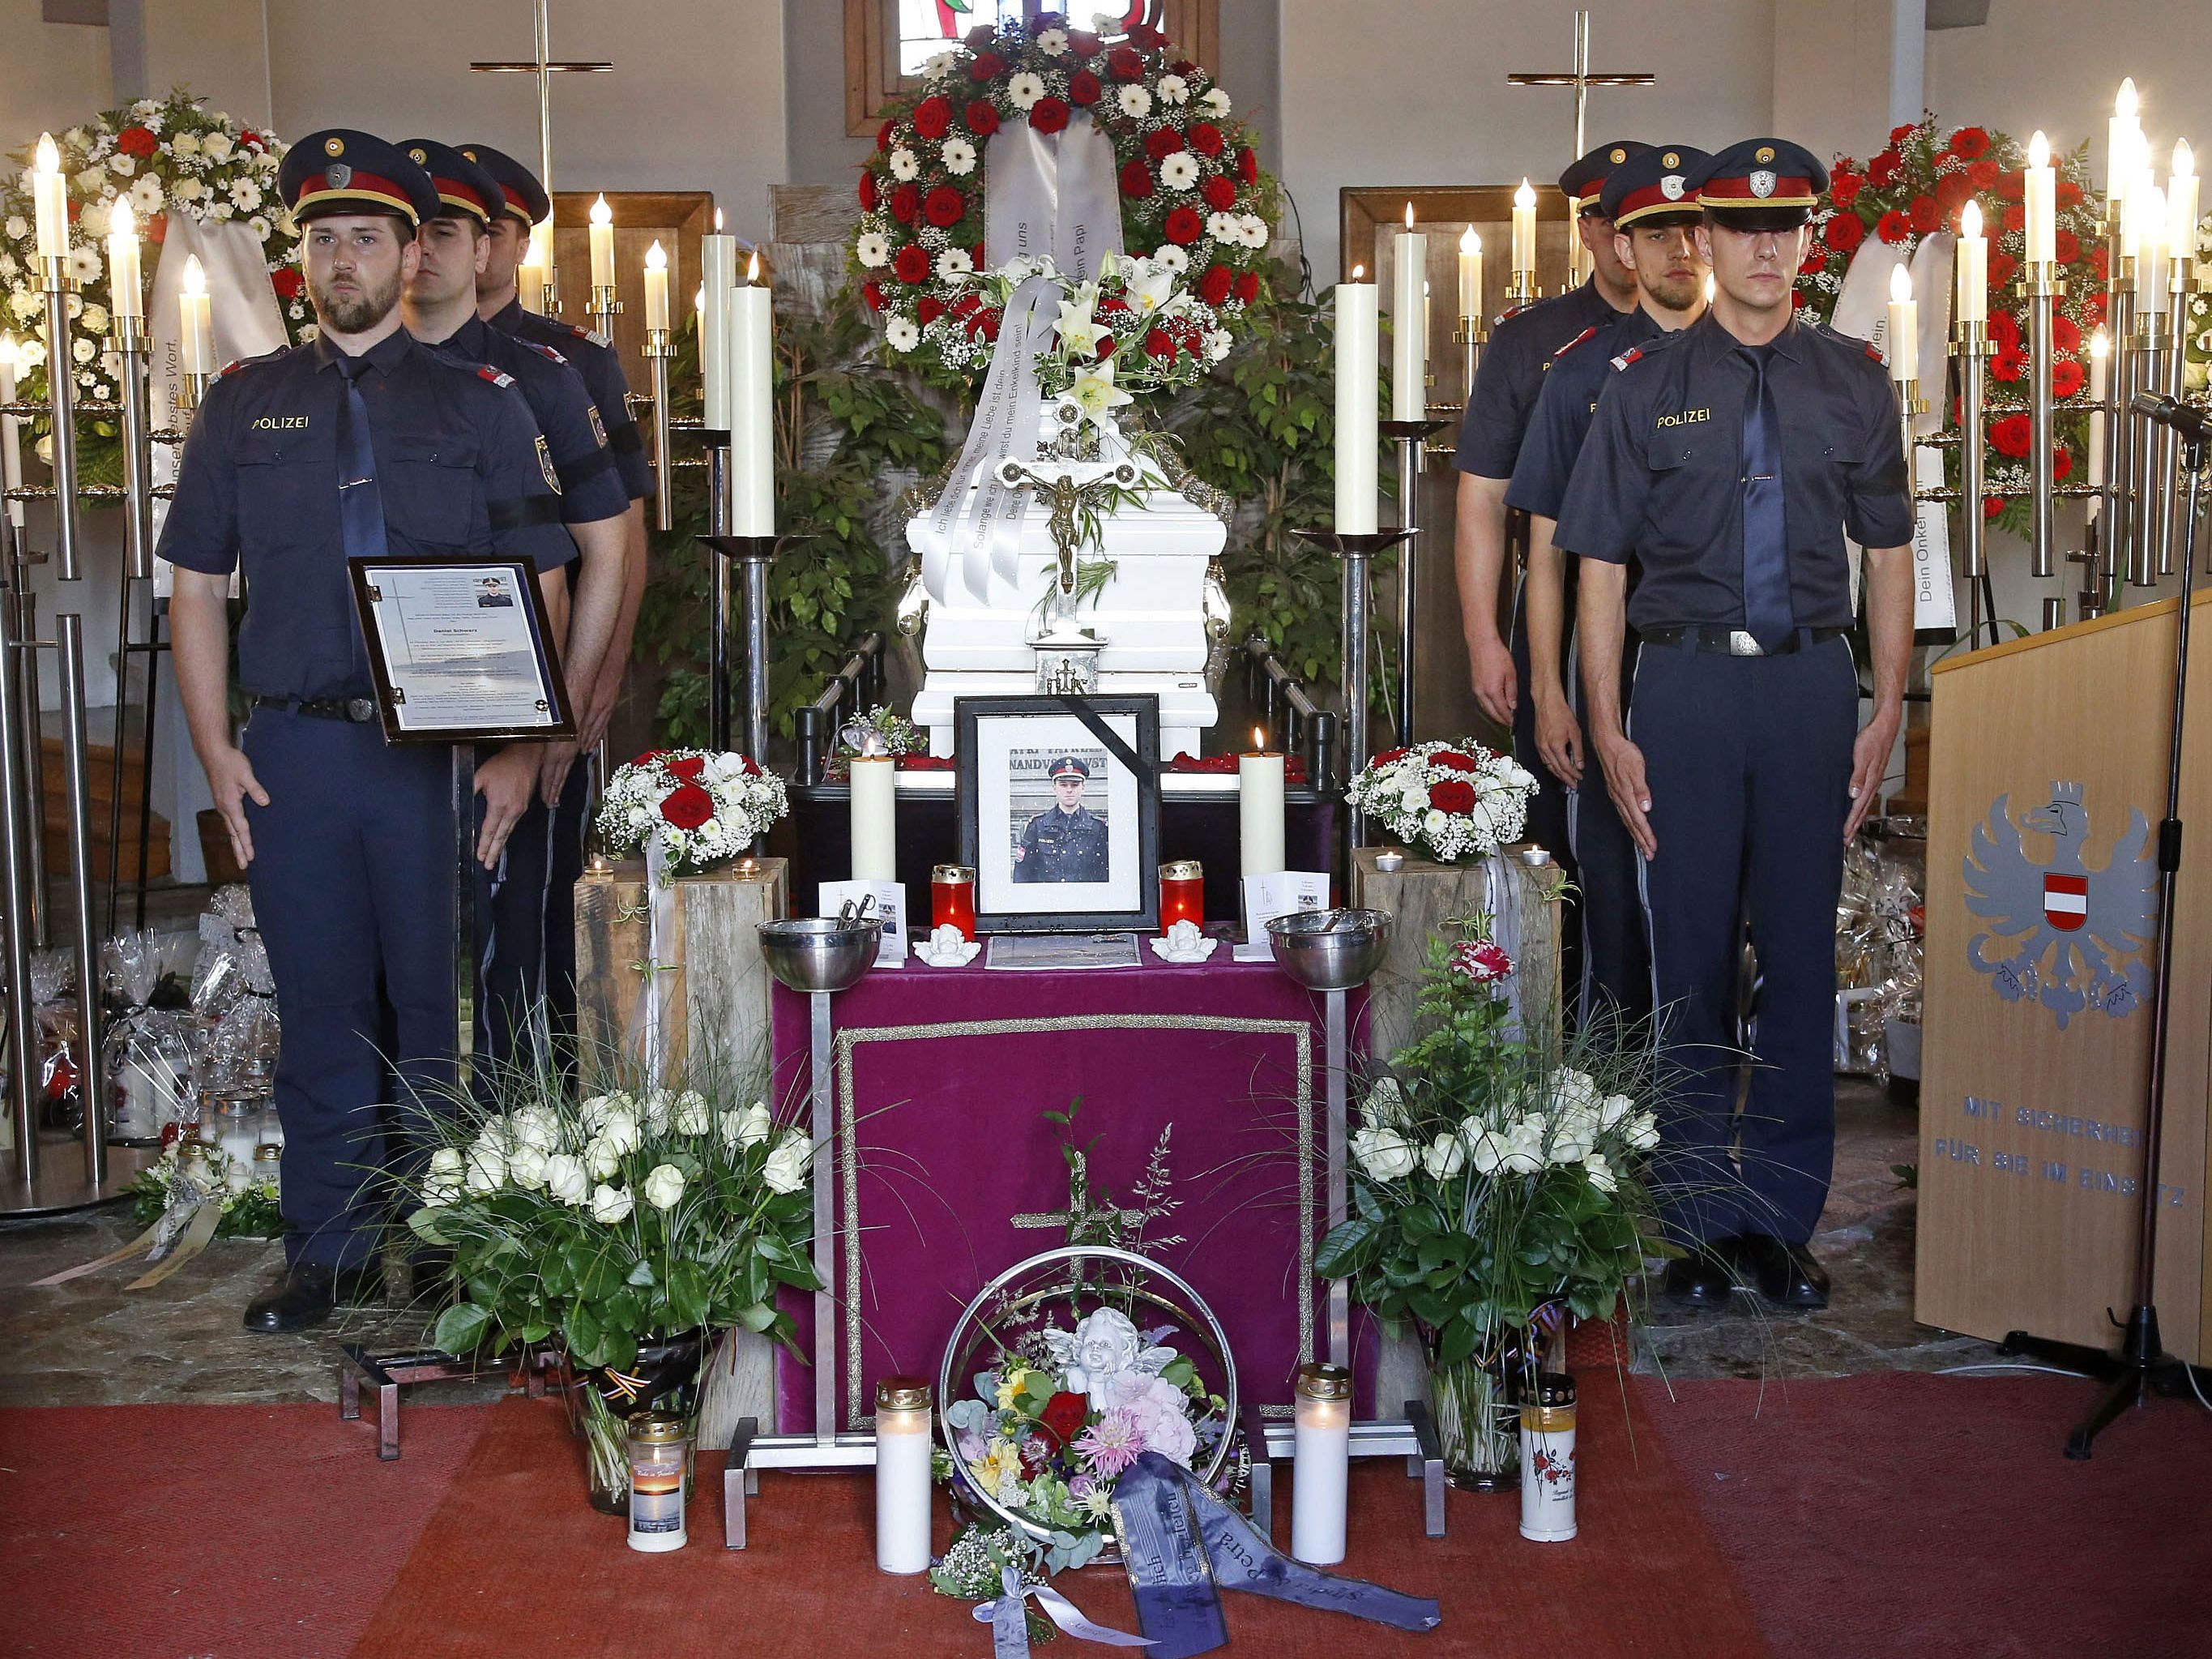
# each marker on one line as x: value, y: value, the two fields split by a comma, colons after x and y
x: 1066, y: 652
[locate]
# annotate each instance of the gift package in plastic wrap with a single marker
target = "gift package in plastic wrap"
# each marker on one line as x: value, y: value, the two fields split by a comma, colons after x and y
x: 1879, y: 921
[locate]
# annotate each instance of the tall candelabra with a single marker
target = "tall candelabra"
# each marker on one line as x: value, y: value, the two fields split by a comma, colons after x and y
x: 1972, y: 346
x: 2041, y: 288
x: 2147, y: 560
x: 658, y: 352
x: 2165, y: 443
x: 1410, y: 436
x: 2116, y: 519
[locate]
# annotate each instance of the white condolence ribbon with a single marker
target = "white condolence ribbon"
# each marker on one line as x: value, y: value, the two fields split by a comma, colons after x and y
x: 1050, y: 196
x: 1010, y: 1626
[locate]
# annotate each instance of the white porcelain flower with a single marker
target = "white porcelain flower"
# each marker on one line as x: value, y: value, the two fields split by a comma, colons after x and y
x: 1052, y: 43
x: 958, y: 156
x: 610, y: 1204
x: 690, y: 1118
x: 1601, y: 1173
x: 904, y: 166
x: 749, y: 1128
x: 1179, y: 170
x: 1445, y: 1158
x: 1136, y: 102
x: 567, y: 1179
x: 526, y: 1168
x: 1025, y: 89
x: 900, y: 334
x: 664, y: 1187
x: 786, y: 1166
x: 954, y: 264
x: 1384, y: 1153
x: 1214, y: 102
x: 1174, y: 89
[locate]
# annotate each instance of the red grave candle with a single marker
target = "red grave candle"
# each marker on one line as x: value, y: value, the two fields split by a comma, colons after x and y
x: 1182, y: 893
x: 952, y: 899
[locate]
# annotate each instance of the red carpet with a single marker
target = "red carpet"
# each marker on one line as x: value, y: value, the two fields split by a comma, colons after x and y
x: 221, y: 1532
x: 1892, y: 1513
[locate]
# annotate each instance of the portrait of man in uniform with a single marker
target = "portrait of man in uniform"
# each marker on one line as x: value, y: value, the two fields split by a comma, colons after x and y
x: 1067, y: 842
x: 492, y: 594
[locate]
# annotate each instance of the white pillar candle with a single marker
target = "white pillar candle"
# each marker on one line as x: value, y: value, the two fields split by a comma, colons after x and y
x: 2040, y: 196
x: 1470, y: 273
x: 1903, y: 327
x: 718, y: 275
x: 1524, y: 230
x: 535, y: 274
x: 1973, y: 266
x: 49, y: 195
x: 124, y: 293
x: 2123, y: 139
x: 2100, y: 368
x: 1357, y: 325
x: 903, y: 1447
x: 603, y: 244
x: 1408, y: 311
x: 2151, y: 251
x: 753, y: 409
x: 2181, y: 191
x: 875, y: 817
x: 197, y: 337
x: 1260, y: 780
x: 1321, y: 1466
x: 656, y: 287
x: 12, y: 458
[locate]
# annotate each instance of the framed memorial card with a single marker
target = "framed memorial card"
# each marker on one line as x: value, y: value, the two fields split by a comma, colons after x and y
x: 461, y: 650
x: 1059, y: 803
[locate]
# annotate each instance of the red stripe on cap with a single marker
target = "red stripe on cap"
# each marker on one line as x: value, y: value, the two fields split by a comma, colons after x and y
x: 363, y: 185
x: 451, y: 188
x: 1652, y: 198
x: 1786, y: 193
x: 514, y: 202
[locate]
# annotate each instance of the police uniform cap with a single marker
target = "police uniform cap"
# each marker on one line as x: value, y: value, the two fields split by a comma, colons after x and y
x: 1761, y: 183
x: 465, y: 189
x: 338, y: 170
x: 1581, y: 183
x: 521, y: 194
x: 1654, y: 188
x: 1068, y: 766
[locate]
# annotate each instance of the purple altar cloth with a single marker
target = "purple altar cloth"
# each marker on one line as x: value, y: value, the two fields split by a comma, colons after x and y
x: 953, y: 1175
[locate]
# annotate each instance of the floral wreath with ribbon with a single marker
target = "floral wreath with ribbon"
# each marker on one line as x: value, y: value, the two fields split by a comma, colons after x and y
x: 1192, y: 199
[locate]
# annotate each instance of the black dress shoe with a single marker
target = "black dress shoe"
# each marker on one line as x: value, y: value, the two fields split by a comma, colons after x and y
x: 304, y: 1296
x: 1786, y: 1274
x: 1700, y: 1279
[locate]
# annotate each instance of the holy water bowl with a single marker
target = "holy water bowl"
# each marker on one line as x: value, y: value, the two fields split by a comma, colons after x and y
x: 1330, y: 949
x: 820, y: 953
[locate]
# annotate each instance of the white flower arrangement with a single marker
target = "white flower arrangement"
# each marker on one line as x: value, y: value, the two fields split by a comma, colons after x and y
x: 697, y: 807
x: 1460, y: 800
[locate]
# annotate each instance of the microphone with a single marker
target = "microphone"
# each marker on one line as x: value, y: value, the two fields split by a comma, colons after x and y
x: 2190, y: 419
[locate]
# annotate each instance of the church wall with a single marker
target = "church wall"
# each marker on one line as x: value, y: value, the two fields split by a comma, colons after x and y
x: 695, y: 99
x: 51, y: 75
x: 218, y: 48
x: 1415, y: 92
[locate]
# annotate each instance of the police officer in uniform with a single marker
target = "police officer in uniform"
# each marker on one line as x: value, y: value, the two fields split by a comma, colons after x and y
x: 440, y: 308
x: 1654, y: 215
x: 1729, y: 461
x: 361, y: 443
x: 524, y: 203
x: 1067, y: 842
x: 1498, y: 410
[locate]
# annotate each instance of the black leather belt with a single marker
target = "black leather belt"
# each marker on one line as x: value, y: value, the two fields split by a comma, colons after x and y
x: 1735, y: 641
x: 358, y: 710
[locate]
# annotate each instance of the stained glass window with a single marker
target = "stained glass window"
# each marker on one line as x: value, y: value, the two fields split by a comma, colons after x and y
x: 927, y: 27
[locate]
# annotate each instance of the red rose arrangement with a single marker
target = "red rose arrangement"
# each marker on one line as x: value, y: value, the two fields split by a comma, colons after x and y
x: 690, y: 808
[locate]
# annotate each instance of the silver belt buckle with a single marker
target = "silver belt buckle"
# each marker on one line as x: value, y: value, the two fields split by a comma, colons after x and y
x: 1741, y: 644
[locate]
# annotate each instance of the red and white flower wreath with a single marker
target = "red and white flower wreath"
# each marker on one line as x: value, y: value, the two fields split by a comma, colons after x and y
x: 1193, y: 198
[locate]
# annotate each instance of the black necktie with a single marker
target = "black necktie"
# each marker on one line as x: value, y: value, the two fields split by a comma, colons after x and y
x: 1766, y: 611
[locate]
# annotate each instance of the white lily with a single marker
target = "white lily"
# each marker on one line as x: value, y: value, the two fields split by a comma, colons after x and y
x: 1095, y: 390
x: 1079, y: 333
x: 1154, y: 294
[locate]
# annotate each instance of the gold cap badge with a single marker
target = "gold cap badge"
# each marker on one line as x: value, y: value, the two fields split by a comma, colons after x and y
x: 420, y: 156
x: 1618, y: 156
x: 1765, y: 153
x: 1670, y: 160
x: 333, y: 146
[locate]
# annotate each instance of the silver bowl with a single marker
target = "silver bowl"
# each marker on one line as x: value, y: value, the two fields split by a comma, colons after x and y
x: 820, y: 953
x: 1330, y: 949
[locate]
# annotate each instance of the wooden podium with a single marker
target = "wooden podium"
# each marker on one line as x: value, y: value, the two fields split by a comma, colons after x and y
x: 2047, y: 784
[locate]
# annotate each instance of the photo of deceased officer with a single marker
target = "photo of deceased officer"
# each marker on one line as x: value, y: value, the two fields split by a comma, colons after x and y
x: 492, y: 594
x: 1067, y: 840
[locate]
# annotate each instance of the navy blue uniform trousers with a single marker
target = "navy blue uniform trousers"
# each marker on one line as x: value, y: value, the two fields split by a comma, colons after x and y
x: 352, y: 881
x: 1748, y: 760
x: 526, y: 927
x: 1616, y: 977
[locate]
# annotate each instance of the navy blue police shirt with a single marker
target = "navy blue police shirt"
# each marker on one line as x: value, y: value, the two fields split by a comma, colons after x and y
x: 590, y: 486
x: 1565, y: 408
x: 593, y: 357
x: 461, y: 468
x: 1512, y: 373
x: 1660, y: 478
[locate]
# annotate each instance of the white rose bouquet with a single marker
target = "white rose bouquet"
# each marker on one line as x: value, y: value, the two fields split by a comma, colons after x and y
x: 695, y: 807
x: 1457, y: 799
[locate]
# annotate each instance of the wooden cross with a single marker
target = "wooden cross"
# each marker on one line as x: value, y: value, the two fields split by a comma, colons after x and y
x: 543, y: 64
x: 1581, y: 81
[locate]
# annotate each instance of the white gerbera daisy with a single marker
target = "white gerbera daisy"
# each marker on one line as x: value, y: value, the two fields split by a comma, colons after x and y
x: 1224, y: 227
x: 901, y: 334
x: 1136, y: 102
x: 958, y: 156
x: 18, y: 228
x: 84, y: 264
x: 1025, y: 89
x: 1215, y: 103
x: 1179, y: 170
x: 245, y: 195
x: 954, y: 264
x: 1174, y: 89
x: 938, y: 65
x: 1171, y: 258
x: 871, y: 249
x: 1256, y: 229
x: 1052, y: 43
x: 904, y: 166
x: 1217, y: 344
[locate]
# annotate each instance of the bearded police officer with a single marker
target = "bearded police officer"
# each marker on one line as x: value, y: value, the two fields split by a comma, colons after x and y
x: 1067, y: 842
x: 1654, y: 216
x: 1728, y: 462
x: 440, y: 308
x: 1498, y: 410
x: 524, y: 203
x: 363, y: 443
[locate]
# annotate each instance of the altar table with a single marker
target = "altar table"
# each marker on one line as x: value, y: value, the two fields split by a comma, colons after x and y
x: 945, y: 1172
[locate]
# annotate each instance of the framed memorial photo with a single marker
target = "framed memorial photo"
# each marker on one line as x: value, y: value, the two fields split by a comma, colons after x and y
x: 1059, y: 805
x: 461, y: 651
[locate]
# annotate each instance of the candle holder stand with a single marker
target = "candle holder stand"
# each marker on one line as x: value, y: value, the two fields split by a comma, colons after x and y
x: 718, y: 589
x: 2117, y: 520
x: 191, y: 393
x: 2180, y: 292
x: 753, y: 555
x: 61, y: 398
x: 1470, y: 337
x: 1411, y: 436
x: 604, y: 308
x: 1521, y: 290
x: 552, y: 300
x: 659, y: 351
x: 1972, y: 348
x: 2041, y: 288
x: 2054, y: 612
x: 131, y: 342
x: 2147, y: 560
x: 1357, y: 551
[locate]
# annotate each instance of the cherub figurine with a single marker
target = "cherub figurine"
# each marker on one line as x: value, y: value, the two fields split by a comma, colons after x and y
x: 1105, y: 1343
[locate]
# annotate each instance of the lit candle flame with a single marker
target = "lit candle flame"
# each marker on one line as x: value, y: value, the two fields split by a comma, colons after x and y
x: 1469, y: 242
x: 1259, y: 738
x: 2039, y: 150
x: 1409, y: 215
x: 601, y: 213
x: 49, y: 159
x: 1526, y: 196
x: 1358, y: 271
x: 1900, y: 284
x: 195, y: 278
x: 655, y: 258
x: 2125, y: 103
x: 2101, y: 343
x: 752, y: 267
x: 121, y: 222
x: 1969, y: 221
x: 718, y: 221
x: 699, y: 298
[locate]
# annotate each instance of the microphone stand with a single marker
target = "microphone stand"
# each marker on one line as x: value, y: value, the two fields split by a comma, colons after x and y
x: 2142, y: 1365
